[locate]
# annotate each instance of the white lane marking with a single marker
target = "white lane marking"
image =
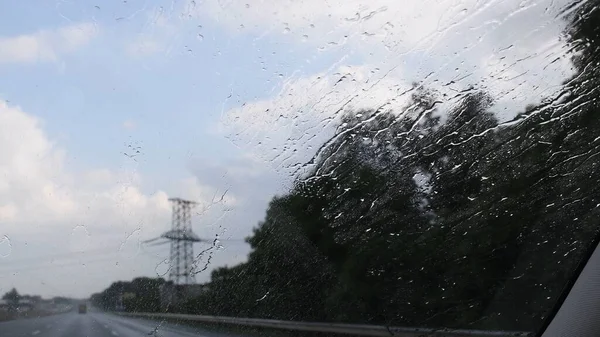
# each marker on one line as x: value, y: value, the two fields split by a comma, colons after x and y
x: 36, y: 332
x: 114, y: 333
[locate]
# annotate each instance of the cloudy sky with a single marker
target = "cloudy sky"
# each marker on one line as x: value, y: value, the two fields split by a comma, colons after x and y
x: 109, y: 109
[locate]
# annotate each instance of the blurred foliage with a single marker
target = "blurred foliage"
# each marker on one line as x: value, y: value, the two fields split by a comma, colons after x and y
x: 12, y: 299
x: 142, y: 294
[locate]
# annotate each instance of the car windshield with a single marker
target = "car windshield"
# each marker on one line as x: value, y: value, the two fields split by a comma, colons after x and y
x: 395, y: 164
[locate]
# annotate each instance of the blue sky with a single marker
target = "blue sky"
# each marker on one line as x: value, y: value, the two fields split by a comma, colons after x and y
x: 172, y: 101
x: 103, y: 99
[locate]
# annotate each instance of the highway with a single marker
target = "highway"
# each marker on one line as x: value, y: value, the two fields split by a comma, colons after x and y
x: 97, y: 324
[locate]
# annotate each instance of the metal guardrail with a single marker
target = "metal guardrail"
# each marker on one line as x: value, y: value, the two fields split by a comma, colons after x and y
x: 338, y: 328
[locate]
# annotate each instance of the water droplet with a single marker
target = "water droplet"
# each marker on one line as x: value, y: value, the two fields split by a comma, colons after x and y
x: 80, y: 238
x: 286, y: 30
x: 5, y: 247
x: 162, y: 268
x: 200, y: 37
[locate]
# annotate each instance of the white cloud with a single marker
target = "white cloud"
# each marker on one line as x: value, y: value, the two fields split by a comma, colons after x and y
x: 46, y: 209
x: 144, y: 45
x: 159, y: 31
x: 45, y: 45
x: 206, y: 196
x: 331, y: 23
x: 129, y: 125
x: 510, y: 49
x: 286, y: 130
x: 394, y: 26
x: 39, y: 194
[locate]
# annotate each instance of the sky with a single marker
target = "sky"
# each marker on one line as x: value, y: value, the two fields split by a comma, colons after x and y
x: 110, y: 108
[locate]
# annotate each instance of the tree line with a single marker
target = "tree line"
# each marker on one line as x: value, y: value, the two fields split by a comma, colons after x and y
x: 13, y: 298
x: 142, y: 294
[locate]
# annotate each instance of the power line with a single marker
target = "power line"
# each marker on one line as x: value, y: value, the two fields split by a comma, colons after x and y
x: 44, y: 265
x: 71, y: 263
x: 59, y: 255
x: 49, y: 261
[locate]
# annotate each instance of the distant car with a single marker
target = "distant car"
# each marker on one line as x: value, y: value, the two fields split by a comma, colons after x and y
x: 82, y: 308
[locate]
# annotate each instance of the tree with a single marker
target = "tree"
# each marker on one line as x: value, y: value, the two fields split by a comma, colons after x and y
x: 142, y: 294
x: 12, y: 297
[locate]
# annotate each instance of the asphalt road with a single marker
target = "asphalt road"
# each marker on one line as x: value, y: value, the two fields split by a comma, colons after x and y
x: 97, y: 324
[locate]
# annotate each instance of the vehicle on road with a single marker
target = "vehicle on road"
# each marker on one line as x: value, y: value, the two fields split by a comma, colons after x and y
x: 82, y: 308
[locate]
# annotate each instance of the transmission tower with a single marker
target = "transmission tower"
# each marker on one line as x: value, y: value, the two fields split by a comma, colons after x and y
x: 182, y: 240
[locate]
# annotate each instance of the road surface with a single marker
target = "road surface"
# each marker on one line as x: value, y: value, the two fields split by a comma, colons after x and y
x: 97, y: 324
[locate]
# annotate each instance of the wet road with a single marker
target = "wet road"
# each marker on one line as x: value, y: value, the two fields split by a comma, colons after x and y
x: 97, y: 324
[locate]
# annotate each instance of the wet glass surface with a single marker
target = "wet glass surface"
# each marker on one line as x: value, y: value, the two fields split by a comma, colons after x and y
x: 416, y: 163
